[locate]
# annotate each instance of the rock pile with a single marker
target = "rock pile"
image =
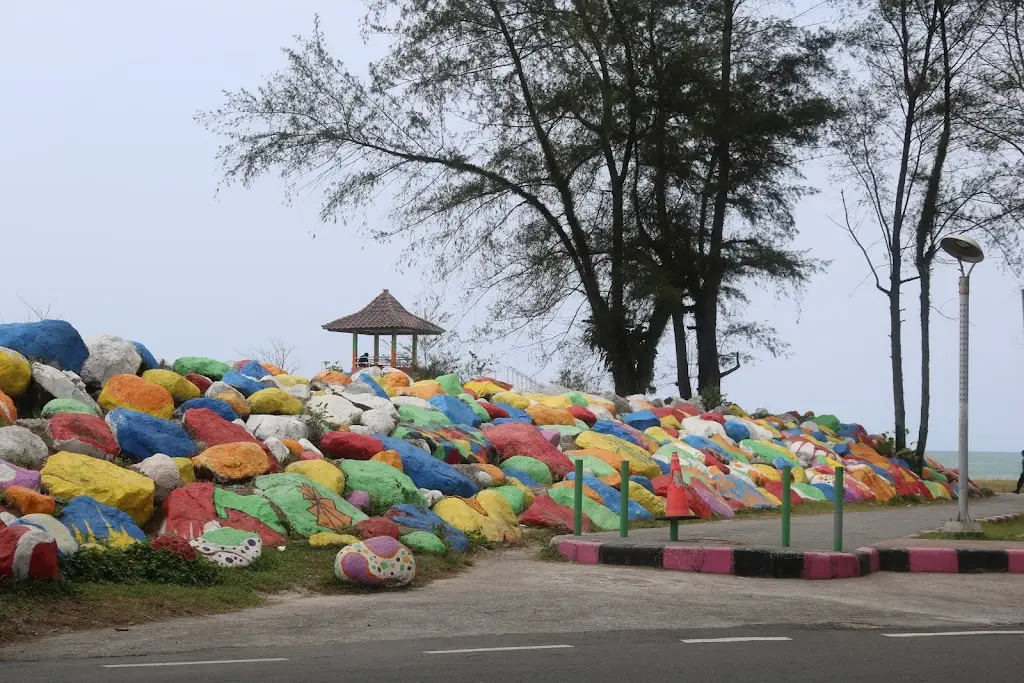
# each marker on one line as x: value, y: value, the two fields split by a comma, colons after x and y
x: 100, y: 443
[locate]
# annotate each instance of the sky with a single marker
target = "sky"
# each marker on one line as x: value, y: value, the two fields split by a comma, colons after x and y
x: 110, y: 217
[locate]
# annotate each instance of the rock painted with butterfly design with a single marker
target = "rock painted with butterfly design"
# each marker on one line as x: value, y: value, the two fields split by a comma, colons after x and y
x: 228, y: 547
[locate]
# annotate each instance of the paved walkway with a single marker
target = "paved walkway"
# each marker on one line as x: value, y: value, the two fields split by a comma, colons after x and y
x: 814, y: 532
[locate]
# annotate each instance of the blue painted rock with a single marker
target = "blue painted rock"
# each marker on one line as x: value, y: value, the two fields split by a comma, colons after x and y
x: 93, y: 522
x: 455, y: 410
x: 378, y: 561
x: 253, y: 370
x: 610, y: 497
x: 524, y: 478
x: 515, y: 414
x: 616, y: 429
x: 427, y: 472
x: 50, y: 341
x: 12, y: 475
x: 149, y: 361
x: 27, y: 553
x: 736, y: 430
x: 229, y: 547
x: 222, y: 408
x: 247, y: 386
x: 66, y: 543
x: 141, y: 436
x: 423, y: 519
x: 642, y: 419
x: 372, y: 383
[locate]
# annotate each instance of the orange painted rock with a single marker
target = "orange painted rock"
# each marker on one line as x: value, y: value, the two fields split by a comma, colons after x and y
x: 294, y: 447
x: 395, y: 380
x: 232, y: 462
x: 28, y: 502
x: 389, y: 458
x: 546, y: 415
x: 425, y: 389
x: 135, y: 393
x: 273, y: 369
x: 8, y: 413
x: 332, y: 377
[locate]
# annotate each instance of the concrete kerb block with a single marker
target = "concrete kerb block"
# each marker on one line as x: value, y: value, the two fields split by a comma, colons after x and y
x: 936, y: 560
x: 581, y: 552
x: 700, y: 560
x: 1015, y: 561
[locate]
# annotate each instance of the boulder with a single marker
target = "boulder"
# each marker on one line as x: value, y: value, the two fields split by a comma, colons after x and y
x: 375, y: 562
x: 455, y: 410
x: 420, y: 518
x: 326, y: 539
x: 27, y: 501
x: 308, y: 507
x: 377, y: 526
x: 189, y: 510
x: 601, y: 517
x: 335, y: 410
x: 68, y: 405
x: 423, y: 542
x: 422, y: 417
x: 232, y: 462
x: 546, y: 415
x: 93, y: 522
x: 545, y: 512
x: 141, y: 436
x: 516, y: 438
x: 469, y: 518
x: 247, y: 386
x: 391, y: 458
x: 380, y: 421
x: 135, y: 393
x: 216, y: 405
x: 15, y: 373
x: 350, y: 445
x: 149, y: 361
x: 66, y: 543
x: 209, y: 429
x: 19, y: 446
x: 63, y: 385
x: 12, y: 475
x: 231, y: 396
x: 201, y: 383
x: 69, y: 475
x: 253, y: 370
x: 535, y: 469
x: 412, y: 402
x: 431, y: 496
x: 207, y: 367
x: 281, y: 426
x: 279, y: 450
x: 229, y: 547
x: 27, y: 553
x: 109, y: 356
x: 360, y: 499
x: 322, y: 472
x: 385, y: 485
x: 54, y: 342
x: 428, y: 472
x: 85, y: 434
x: 642, y: 419
x: 274, y: 402
x: 501, y: 513
x: 369, y: 401
x: 163, y: 471
x: 584, y: 414
x: 640, y: 461
x: 8, y: 411
x: 181, y: 389
x: 332, y: 377
x: 515, y: 497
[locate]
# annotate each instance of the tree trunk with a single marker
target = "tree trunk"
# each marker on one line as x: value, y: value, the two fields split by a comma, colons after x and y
x: 896, y: 338
x: 926, y: 367
x: 706, y: 329
x: 682, y: 355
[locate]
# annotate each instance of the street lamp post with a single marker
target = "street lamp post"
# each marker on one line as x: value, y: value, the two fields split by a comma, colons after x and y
x: 964, y: 250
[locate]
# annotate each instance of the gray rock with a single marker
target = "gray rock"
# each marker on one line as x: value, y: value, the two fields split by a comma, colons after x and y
x: 63, y: 384
x: 430, y: 496
x: 337, y: 410
x: 280, y: 451
x: 567, y: 443
x: 600, y: 412
x: 19, y: 446
x: 307, y: 445
x: 371, y: 401
x: 413, y: 402
x: 280, y: 426
x: 621, y: 405
x: 109, y: 356
x: 37, y: 425
x: 218, y: 388
x: 380, y: 421
x: 360, y: 429
x: 164, y: 473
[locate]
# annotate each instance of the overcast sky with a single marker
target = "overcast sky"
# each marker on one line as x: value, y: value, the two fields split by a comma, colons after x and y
x: 109, y: 216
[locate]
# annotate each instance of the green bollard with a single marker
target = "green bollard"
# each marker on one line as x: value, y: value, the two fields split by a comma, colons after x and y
x: 787, y: 477
x: 577, y: 501
x: 837, y: 532
x: 624, y: 499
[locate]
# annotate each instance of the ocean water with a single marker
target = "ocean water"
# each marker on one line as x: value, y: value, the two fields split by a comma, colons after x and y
x: 984, y: 464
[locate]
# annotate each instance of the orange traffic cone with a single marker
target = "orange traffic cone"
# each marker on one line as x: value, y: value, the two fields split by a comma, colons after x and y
x: 677, y: 505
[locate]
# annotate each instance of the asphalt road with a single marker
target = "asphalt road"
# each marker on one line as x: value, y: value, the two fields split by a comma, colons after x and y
x: 774, y: 654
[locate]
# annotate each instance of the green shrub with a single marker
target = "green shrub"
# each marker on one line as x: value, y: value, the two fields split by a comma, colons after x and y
x: 138, y: 563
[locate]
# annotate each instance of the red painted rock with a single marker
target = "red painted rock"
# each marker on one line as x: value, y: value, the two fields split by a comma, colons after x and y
x: 687, y: 409
x: 545, y: 512
x: 202, y: 383
x: 174, y: 544
x: 26, y: 501
x: 713, y: 417
x: 672, y: 431
x: 775, y: 488
x: 350, y: 445
x: 377, y: 526
x: 187, y: 510
x: 494, y: 411
x: 519, y: 438
x: 209, y: 429
x: 581, y: 413
x: 27, y: 553
x: 85, y: 434
x: 310, y: 455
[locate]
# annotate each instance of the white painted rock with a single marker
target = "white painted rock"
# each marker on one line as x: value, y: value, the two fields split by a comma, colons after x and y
x: 64, y: 384
x: 280, y: 426
x: 109, y: 356
x: 164, y: 473
x: 307, y: 445
x: 66, y: 543
x: 371, y: 401
x: 431, y: 496
x: 338, y: 411
x: 380, y: 421
x: 19, y: 446
x: 360, y: 429
x: 277, y: 447
x: 413, y: 402
x: 218, y: 388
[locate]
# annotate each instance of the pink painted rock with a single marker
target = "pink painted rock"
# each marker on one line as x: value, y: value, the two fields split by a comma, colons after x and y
x: 27, y: 553
x: 359, y: 499
x: 552, y: 436
x: 377, y: 526
x: 350, y: 445
x: 85, y: 434
x: 310, y: 455
x: 12, y: 475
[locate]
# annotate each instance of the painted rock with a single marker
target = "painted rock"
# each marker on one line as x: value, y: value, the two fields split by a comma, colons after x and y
x: 164, y: 472
x: 428, y: 472
x: 378, y: 420
x: 229, y: 547
x: 54, y: 342
x: 281, y: 426
x: 536, y: 469
x: 189, y: 510
x: 325, y: 539
x: 142, y: 436
x: 28, y: 501
x: 424, y: 542
x: 85, y: 434
x: 19, y: 446
x: 468, y: 517
x: 149, y: 361
x: 68, y: 405
x: 135, y: 393
x: 385, y: 485
x: 15, y: 372
x: 516, y: 438
x: 69, y: 475
x: 350, y: 446
x: 640, y: 461
x: 274, y: 402
x: 207, y: 367
x: 380, y: 561
x: 308, y: 507
x: 66, y: 543
x: 545, y: 512
x: 12, y: 475
x: 176, y: 545
x: 246, y: 386
x: 93, y: 522
x: 391, y: 458
x: 377, y: 526
x: 332, y: 377
x: 8, y: 411
x: 500, y: 512
x: 62, y: 385
x: 27, y: 553
x: 253, y: 370
x: 208, y: 429
x: 109, y: 356
x: 336, y: 410
x: 232, y: 462
x: 360, y: 499
x: 322, y: 472
x: 202, y: 383
x: 216, y: 405
x: 455, y: 410
x: 181, y: 389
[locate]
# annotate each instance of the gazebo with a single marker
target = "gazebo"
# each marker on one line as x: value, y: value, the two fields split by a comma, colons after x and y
x: 383, y: 316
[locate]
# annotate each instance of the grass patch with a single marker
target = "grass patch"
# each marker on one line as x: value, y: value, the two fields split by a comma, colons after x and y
x: 990, y: 531
x: 997, y: 485
x: 38, y: 609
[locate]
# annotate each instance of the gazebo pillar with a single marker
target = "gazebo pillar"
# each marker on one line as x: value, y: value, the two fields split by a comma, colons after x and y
x: 415, y: 338
x: 394, y: 349
x: 376, y: 349
x: 355, y: 351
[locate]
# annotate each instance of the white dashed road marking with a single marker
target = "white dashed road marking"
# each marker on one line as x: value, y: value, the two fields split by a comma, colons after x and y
x: 497, y: 649
x: 738, y: 639
x: 953, y: 633
x: 205, y: 663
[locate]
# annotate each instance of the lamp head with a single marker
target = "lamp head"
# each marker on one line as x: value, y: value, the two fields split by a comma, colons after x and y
x: 963, y: 249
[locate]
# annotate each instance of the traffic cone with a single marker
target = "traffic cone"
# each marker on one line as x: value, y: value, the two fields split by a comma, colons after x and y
x: 677, y: 505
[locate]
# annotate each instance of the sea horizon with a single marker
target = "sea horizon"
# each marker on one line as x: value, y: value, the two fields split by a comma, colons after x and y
x: 984, y: 464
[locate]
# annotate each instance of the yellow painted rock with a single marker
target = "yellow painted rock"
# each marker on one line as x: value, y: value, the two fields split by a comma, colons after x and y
x: 320, y: 471
x: 483, y: 389
x: 658, y: 435
x: 799, y: 475
x: 67, y: 475
x: 15, y: 372
x: 562, y: 402
x: 650, y: 502
x: 501, y: 513
x: 289, y: 381
x: 325, y: 539
x: 670, y: 421
x: 185, y: 469
x: 514, y: 400
x: 542, y: 414
x: 180, y: 388
x: 135, y: 393
x: 768, y: 473
x: 587, y: 491
x: 237, y: 402
x: 466, y: 518
x: 395, y: 380
x: 274, y: 402
x: 640, y: 461
x: 389, y: 458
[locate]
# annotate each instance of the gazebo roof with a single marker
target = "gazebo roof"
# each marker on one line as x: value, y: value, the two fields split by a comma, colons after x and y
x: 383, y: 315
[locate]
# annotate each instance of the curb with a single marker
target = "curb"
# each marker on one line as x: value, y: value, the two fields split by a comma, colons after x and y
x: 951, y: 560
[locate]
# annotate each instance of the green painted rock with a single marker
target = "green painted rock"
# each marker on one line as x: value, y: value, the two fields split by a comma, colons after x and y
x: 386, y: 485
x: 809, y: 491
x: 228, y: 536
x: 424, y: 542
x: 254, y: 506
x: 422, y: 417
x: 596, y: 466
x: 830, y: 421
x: 451, y: 384
x: 308, y: 507
x: 577, y: 398
x: 537, y: 470
x: 515, y: 497
x: 475, y: 407
x: 601, y: 517
x: 67, y: 405
x: 769, y: 452
x: 207, y: 367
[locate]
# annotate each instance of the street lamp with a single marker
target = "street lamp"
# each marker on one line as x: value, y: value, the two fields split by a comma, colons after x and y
x: 964, y: 250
